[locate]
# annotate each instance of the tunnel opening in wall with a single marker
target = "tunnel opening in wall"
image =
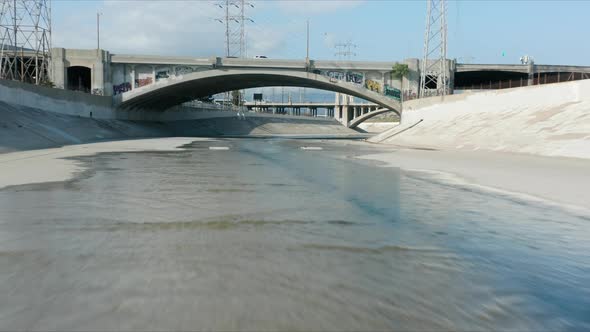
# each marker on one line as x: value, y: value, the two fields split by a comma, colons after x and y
x: 79, y: 78
x: 489, y: 80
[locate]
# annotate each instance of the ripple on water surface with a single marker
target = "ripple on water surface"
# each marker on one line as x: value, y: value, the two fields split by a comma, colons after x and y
x: 267, y: 236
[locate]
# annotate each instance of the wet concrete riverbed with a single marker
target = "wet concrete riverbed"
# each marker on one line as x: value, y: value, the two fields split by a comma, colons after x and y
x: 266, y: 235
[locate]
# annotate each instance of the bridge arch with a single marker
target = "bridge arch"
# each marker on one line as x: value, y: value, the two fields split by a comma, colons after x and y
x: 358, y: 120
x: 173, y: 91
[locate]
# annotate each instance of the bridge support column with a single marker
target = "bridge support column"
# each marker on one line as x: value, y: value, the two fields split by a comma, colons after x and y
x: 58, y: 73
x: 531, y: 72
x: 345, y: 115
x: 132, y: 74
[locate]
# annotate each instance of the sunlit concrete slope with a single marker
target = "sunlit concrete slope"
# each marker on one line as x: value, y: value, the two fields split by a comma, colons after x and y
x: 24, y: 128
x: 551, y: 120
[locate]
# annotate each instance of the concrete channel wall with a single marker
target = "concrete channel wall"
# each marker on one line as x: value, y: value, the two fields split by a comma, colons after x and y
x: 550, y: 120
x: 56, y: 100
x: 101, y: 107
x: 33, y: 117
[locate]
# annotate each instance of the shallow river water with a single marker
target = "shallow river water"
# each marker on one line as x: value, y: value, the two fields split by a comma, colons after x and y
x: 269, y: 236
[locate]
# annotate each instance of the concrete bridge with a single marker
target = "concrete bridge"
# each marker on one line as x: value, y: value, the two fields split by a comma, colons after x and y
x: 161, y: 82
x: 358, y: 112
x: 175, y: 91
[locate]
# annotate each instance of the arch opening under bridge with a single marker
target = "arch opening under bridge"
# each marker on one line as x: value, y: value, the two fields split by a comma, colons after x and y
x: 174, y: 91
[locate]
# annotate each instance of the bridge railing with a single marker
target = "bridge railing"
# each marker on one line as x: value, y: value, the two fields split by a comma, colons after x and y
x: 204, y: 106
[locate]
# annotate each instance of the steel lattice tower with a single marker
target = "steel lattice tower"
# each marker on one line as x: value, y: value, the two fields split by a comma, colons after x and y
x: 235, y: 32
x: 25, y: 40
x: 344, y: 50
x: 433, y: 70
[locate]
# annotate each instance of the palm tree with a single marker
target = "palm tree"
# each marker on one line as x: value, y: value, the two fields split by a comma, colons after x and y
x: 399, y: 71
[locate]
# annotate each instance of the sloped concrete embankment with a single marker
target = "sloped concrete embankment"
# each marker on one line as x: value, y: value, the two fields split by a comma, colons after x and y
x: 549, y: 120
x: 34, y: 117
x: 23, y: 128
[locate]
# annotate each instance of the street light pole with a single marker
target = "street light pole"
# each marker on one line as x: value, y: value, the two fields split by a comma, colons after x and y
x: 98, y: 30
x: 307, y: 52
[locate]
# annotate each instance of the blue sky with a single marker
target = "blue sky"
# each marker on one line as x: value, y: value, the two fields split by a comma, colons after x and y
x: 553, y: 32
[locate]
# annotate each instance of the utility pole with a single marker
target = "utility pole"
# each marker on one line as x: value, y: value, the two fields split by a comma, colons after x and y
x: 98, y: 31
x: 307, y: 50
x: 307, y: 63
x: 434, y: 79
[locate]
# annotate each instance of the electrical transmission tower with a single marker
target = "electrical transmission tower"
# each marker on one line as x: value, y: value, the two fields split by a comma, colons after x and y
x: 434, y: 76
x: 25, y: 40
x: 344, y: 50
x: 234, y: 21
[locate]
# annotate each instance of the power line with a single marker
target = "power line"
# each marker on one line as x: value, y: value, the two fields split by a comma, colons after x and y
x: 344, y: 50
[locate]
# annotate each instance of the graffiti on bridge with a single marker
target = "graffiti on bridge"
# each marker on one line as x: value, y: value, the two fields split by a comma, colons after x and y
x: 175, y: 71
x: 126, y: 86
x: 97, y: 92
x: 184, y: 70
x: 392, y: 92
x: 373, y: 85
x: 356, y: 78
x: 123, y: 87
x: 351, y: 77
x: 162, y: 74
x: 337, y: 75
x: 143, y: 82
x: 410, y: 95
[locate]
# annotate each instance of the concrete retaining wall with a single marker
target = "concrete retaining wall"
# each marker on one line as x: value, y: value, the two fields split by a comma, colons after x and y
x: 415, y: 104
x: 33, y: 117
x: 101, y: 107
x: 56, y: 100
x: 551, y: 120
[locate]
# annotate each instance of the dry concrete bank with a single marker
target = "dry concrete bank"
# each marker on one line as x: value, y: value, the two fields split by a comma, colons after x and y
x: 518, y: 134
x: 548, y: 120
x: 34, y: 117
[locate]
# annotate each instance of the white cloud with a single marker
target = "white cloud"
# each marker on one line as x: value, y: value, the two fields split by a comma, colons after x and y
x: 187, y: 27
x: 264, y: 41
x: 158, y: 27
